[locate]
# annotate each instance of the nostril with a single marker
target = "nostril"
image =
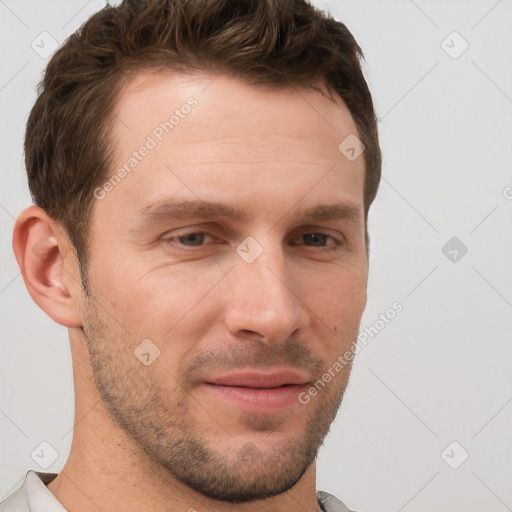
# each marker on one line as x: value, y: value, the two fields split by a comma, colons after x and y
x: 252, y: 335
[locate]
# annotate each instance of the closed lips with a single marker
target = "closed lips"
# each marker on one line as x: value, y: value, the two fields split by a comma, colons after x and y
x: 259, y: 380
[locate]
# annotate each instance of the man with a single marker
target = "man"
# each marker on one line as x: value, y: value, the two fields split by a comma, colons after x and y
x: 202, y: 172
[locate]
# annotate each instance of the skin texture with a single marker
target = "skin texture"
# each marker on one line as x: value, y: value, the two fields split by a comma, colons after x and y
x: 153, y: 437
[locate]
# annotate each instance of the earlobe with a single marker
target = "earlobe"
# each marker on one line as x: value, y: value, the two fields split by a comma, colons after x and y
x: 48, y: 265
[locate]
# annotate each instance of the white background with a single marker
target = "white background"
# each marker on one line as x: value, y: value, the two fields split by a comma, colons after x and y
x: 441, y: 370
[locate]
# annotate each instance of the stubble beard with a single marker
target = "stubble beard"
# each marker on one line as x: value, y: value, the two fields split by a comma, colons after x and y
x: 168, y: 434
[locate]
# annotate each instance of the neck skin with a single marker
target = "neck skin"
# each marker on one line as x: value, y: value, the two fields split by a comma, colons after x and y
x: 107, y: 472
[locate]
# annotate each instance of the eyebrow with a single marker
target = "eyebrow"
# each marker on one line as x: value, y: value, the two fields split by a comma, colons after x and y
x: 165, y: 210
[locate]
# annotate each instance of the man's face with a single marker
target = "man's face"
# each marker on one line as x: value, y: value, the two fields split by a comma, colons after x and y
x: 243, y: 325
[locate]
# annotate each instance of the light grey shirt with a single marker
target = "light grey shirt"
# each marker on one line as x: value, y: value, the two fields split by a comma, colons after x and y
x: 34, y: 496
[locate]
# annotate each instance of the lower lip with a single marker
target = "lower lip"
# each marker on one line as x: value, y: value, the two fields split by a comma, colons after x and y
x: 262, y: 400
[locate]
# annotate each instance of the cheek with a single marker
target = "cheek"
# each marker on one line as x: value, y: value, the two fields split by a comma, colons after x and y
x: 338, y: 303
x: 158, y: 303
x: 341, y: 286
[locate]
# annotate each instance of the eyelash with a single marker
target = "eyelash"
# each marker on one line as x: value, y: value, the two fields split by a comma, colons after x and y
x: 337, y: 243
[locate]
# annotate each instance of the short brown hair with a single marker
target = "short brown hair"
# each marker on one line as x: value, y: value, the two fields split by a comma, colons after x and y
x: 288, y: 42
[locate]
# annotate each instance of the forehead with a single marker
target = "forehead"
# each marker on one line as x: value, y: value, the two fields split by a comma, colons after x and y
x: 226, y: 105
x: 217, y: 137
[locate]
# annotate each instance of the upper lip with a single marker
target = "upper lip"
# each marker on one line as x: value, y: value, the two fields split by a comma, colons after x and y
x: 255, y: 379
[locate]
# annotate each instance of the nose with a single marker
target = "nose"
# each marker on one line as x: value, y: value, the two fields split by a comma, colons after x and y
x: 265, y: 302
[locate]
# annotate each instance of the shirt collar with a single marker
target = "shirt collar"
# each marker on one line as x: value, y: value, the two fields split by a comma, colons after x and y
x: 39, y: 497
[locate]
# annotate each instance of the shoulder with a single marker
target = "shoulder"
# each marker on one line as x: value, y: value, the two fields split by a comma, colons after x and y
x: 15, y: 502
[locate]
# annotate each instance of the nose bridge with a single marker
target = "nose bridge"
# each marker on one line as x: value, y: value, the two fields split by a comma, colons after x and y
x: 264, y: 300
x: 270, y: 279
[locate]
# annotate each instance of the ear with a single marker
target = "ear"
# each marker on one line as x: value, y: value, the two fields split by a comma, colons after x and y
x: 49, y: 266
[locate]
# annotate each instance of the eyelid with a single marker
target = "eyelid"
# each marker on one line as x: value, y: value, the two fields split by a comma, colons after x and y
x: 191, y: 229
